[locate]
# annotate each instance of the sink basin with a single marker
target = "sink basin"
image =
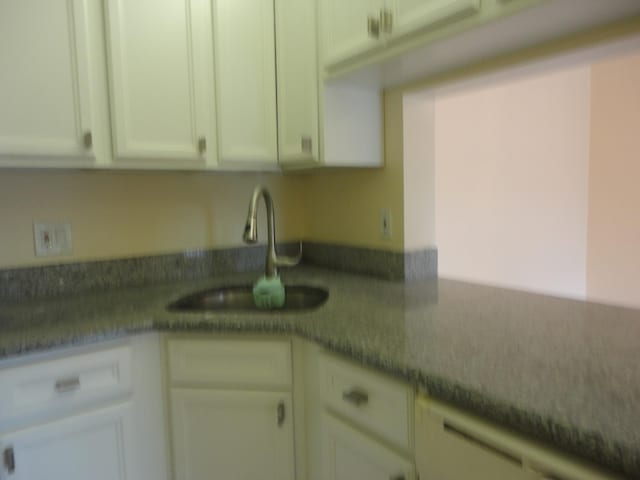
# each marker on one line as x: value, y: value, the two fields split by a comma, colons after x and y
x: 240, y: 298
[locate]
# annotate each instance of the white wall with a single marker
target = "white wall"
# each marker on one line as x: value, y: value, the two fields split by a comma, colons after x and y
x: 613, y: 261
x: 511, y: 180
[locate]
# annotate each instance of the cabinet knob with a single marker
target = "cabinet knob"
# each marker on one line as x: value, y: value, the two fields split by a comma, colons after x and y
x: 373, y: 27
x: 386, y: 20
x: 281, y: 414
x: 87, y: 139
x: 202, y: 145
x: 9, y: 460
x: 306, y: 143
x: 356, y: 396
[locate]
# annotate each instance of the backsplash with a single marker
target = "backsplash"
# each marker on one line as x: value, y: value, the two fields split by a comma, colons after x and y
x: 22, y: 284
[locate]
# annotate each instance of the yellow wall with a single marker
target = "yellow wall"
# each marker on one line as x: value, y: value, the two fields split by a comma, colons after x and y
x: 137, y: 213
x: 613, y: 243
x: 127, y: 214
x: 343, y: 207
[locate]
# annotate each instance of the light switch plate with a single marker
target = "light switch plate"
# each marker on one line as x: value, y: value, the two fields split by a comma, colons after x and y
x: 52, y: 238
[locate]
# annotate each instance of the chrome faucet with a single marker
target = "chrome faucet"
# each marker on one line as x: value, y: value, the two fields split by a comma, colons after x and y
x: 251, y: 233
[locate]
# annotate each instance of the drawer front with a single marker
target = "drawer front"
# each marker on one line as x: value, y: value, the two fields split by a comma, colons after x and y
x: 368, y: 399
x: 44, y: 388
x: 228, y: 362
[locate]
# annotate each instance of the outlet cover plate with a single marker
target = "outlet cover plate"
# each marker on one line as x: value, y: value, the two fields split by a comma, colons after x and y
x: 52, y: 238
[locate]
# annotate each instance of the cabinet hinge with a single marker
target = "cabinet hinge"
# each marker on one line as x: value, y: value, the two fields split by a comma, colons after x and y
x: 9, y: 459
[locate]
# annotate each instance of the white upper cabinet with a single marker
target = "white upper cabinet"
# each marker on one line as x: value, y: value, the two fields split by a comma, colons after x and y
x: 350, y: 28
x: 362, y: 26
x: 160, y: 60
x: 245, y: 82
x: 297, y: 81
x: 408, y: 16
x: 47, y: 108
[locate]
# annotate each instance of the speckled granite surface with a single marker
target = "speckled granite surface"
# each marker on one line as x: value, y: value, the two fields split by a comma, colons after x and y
x: 30, y: 283
x: 565, y: 372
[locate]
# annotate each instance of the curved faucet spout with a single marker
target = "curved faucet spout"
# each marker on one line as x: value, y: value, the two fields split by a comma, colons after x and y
x: 250, y: 234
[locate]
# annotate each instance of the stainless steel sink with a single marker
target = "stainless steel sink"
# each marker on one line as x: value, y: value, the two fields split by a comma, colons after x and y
x: 240, y: 298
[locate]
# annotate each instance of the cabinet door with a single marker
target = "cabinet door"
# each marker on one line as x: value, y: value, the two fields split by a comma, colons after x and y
x: 297, y: 67
x: 94, y: 446
x: 345, y: 28
x: 413, y: 15
x: 233, y: 435
x: 348, y: 454
x: 45, y: 109
x: 160, y: 63
x: 245, y: 79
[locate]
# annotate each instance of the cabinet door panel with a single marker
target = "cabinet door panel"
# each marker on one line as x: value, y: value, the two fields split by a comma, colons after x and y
x: 44, y: 99
x: 233, y: 435
x: 245, y: 79
x: 345, y: 28
x: 348, y: 454
x: 96, y: 446
x: 297, y: 67
x: 156, y: 57
x: 412, y: 15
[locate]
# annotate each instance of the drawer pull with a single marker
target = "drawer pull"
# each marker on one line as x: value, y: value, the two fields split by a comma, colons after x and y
x: 397, y: 477
x: 356, y: 396
x: 65, y: 385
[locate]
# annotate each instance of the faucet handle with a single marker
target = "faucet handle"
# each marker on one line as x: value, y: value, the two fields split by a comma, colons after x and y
x: 285, y: 261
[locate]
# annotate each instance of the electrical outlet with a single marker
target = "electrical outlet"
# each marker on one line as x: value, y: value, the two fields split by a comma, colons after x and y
x: 52, y: 238
x: 385, y: 223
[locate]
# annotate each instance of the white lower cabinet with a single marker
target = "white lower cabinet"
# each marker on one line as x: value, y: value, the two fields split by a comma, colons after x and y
x: 232, y: 434
x: 231, y: 408
x: 84, y: 413
x: 365, y: 423
x: 349, y: 454
x: 98, y: 446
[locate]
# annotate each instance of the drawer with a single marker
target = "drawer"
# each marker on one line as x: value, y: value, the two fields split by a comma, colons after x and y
x: 370, y: 400
x: 48, y: 387
x: 227, y: 362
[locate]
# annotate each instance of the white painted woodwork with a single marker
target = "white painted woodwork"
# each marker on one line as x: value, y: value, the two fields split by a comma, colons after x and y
x: 98, y: 446
x: 233, y: 435
x: 150, y: 416
x: 349, y: 454
x: 45, y: 99
x: 451, y: 445
x: 162, y: 97
x: 352, y: 125
x: 223, y: 362
x: 245, y: 82
x: 345, y: 30
x: 412, y: 15
x: 297, y: 81
x: 389, y: 407
x: 51, y: 387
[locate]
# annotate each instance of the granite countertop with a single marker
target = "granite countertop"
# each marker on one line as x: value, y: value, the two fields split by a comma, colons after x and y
x: 565, y: 372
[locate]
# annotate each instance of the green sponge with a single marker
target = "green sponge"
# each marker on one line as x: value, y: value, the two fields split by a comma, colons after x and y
x: 269, y: 292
